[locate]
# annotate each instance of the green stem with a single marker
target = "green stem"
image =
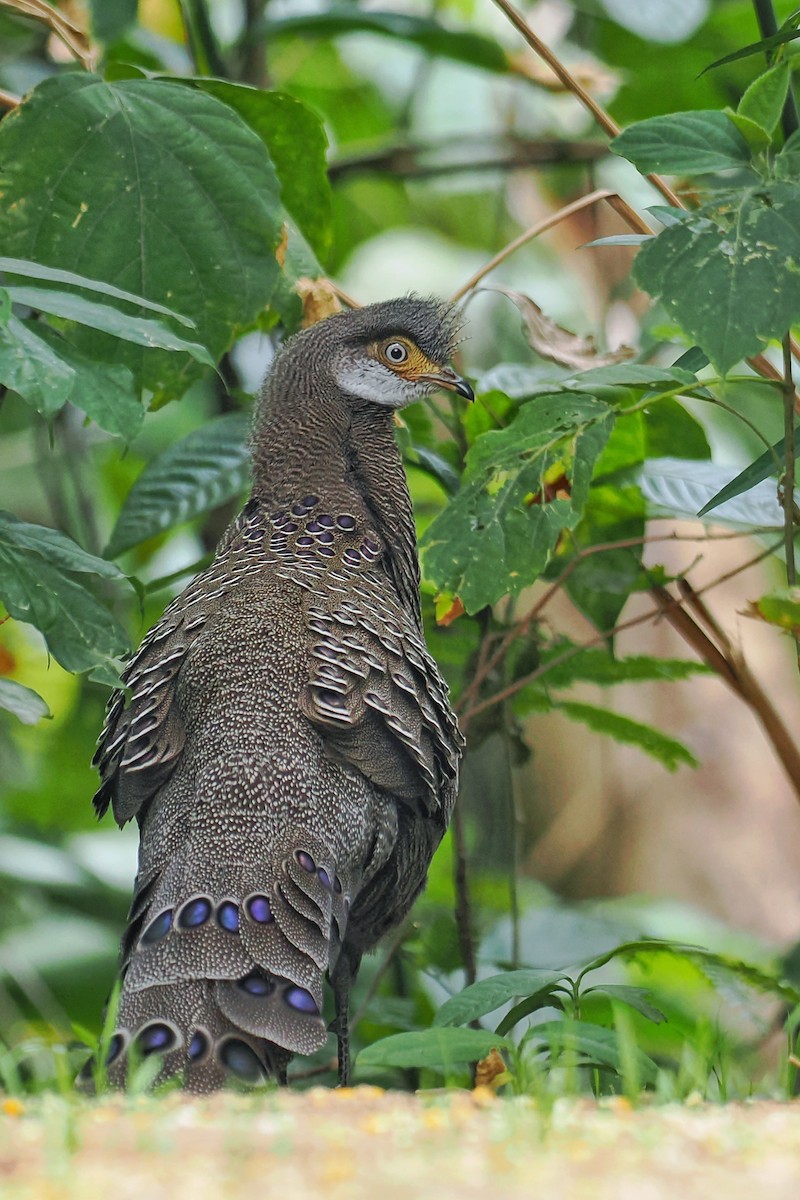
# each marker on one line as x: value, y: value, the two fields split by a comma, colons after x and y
x: 789, y: 473
x: 768, y: 27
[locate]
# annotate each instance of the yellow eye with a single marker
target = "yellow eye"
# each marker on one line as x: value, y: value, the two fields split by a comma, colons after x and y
x: 395, y: 353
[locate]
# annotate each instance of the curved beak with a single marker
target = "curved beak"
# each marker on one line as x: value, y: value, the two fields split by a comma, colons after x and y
x: 448, y: 379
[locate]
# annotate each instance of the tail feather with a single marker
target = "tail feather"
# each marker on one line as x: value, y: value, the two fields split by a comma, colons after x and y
x: 224, y: 962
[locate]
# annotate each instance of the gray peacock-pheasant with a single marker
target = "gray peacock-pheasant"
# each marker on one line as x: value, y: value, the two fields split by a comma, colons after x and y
x: 286, y: 742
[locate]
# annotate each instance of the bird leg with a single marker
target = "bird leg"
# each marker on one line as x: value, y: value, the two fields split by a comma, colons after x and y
x: 342, y: 981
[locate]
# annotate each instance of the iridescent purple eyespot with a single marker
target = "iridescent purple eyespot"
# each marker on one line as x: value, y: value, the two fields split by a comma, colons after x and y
x: 304, y: 541
x: 256, y: 984
x: 368, y: 544
x: 352, y: 556
x: 306, y: 861
x: 155, y: 1038
x: 194, y: 913
x: 345, y: 521
x: 328, y: 551
x: 239, y: 1058
x: 278, y: 516
x: 310, y: 501
x: 325, y: 538
x: 301, y: 1000
x: 299, y: 510
x: 198, y: 1046
x: 114, y: 1048
x: 337, y: 885
x: 326, y: 519
x: 314, y: 527
x: 158, y: 928
x: 323, y: 877
x: 228, y: 916
x: 258, y: 909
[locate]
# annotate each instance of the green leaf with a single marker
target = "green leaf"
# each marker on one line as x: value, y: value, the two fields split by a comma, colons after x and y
x: 297, y: 144
x: 667, y: 750
x: 763, y: 101
x: 428, y: 35
x: 767, y: 464
x: 435, y: 1047
x: 689, y: 143
x: 677, y: 487
x: 635, y: 997
x: 632, y: 375
x: 141, y: 330
x: 787, y: 162
x: 781, y: 607
x: 757, y: 138
x: 497, y: 533
x: 594, y: 1043
x: 787, y: 33
x: 670, y: 429
x: 47, y: 371
x: 154, y: 187
x: 489, y: 994
x: 33, y: 270
x: 200, y: 472
x: 22, y: 701
x: 599, y: 667
x: 36, y: 586
x: 747, y: 258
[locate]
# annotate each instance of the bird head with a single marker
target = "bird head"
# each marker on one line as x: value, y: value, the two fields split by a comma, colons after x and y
x: 396, y: 352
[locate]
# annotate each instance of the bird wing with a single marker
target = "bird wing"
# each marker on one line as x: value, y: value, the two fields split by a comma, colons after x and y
x: 143, y: 734
x: 376, y: 694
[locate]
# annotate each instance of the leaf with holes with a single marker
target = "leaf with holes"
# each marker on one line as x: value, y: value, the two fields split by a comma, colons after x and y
x: 37, y: 565
x: 523, y: 485
x: 155, y: 188
x: 746, y: 255
x: 200, y: 472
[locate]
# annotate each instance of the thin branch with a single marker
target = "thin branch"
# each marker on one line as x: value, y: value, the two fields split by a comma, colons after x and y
x: 569, y: 81
x: 9, y: 100
x: 528, y: 235
x: 408, y: 160
x: 68, y: 31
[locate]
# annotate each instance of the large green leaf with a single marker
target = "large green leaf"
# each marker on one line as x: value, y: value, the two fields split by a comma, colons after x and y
x: 489, y: 994
x: 439, y: 1046
x: 47, y: 371
x: 203, y: 470
x: 498, y: 532
x: 156, y: 188
x: 36, y: 586
x: 296, y: 140
x: 683, y: 143
x: 729, y: 276
x: 667, y: 750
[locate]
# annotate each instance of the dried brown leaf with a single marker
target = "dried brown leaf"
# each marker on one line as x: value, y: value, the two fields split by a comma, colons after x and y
x: 560, y: 345
x: 319, y: 300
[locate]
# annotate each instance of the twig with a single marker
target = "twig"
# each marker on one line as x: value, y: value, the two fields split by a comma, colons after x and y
x: 606, y: 122
x: 528, y: 235
x: 9, y: 100
x: 63, y: 27
x: 512, y: 688
x: 409, y: 160
x: 463, y: 909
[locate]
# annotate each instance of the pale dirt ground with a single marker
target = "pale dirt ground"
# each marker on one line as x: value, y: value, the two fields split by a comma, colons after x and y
x: 364, y: 1144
